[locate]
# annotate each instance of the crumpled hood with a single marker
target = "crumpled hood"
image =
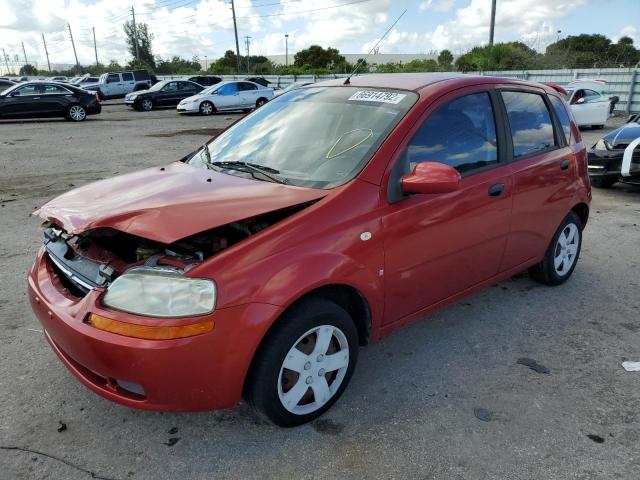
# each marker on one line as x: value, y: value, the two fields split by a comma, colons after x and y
x: 625, y: 134
x: 169, y: 203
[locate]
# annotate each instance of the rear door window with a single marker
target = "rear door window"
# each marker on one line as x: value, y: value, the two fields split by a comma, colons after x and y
x: 460, y: 133
x: 245, y: 86
x: 127, y: 77
x: 530, y: 122
x: 563, y: 116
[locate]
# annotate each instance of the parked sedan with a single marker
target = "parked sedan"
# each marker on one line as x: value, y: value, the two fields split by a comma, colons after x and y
x: 260, y: 263
x: 48, y: 99
x: 590, y: 104
x: 230, y: 95
x: 616, y: 156
x: 166, y: 93
x: 4, y: 84
x: 205, y: 80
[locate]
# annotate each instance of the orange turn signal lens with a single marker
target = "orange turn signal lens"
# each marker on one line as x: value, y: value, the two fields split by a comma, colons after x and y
x: 149, y: 332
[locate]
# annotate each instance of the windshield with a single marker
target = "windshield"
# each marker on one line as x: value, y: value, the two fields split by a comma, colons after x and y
x: 318, y: 137
x: 158, y: 86
x: 210, y: 90
x: 568, y: 95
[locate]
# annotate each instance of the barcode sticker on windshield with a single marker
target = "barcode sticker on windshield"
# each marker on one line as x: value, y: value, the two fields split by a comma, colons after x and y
x: 383, y: 97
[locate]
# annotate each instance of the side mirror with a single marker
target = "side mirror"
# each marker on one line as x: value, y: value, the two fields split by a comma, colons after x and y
x: 431, y: 177
x: 580, y: 101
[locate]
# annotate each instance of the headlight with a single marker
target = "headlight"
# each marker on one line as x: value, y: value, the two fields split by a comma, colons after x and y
x: 160, y: 292
x: 132, y: 97
x: 602, y: 144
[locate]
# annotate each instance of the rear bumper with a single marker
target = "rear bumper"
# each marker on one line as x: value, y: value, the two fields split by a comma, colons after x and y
x: 203, y: 372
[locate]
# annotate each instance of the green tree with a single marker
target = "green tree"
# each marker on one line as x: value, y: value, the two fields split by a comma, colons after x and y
x: 144, y: 50
x: 28, y: 69
x: 445, y: 59
x: 588, y: 50
x: 316, y: 57
x: 501, y: 56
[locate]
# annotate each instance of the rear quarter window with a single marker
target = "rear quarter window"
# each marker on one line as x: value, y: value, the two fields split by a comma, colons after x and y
x: 530, y: 123
x: 563, y: 116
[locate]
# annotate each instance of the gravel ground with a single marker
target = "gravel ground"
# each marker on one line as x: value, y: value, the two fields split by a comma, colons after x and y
x: 444, y: 398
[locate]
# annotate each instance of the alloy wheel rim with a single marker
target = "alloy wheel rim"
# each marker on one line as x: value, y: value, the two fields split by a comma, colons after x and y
x: 566, y: 249
x: 206, y: 108
x: 146, y: 104
x: 313, y: 369
x: 77, y: 113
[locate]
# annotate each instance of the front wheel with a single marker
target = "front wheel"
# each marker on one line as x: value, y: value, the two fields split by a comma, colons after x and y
x: 76, y: 113
x: 206, y: 108
x: 562, y: 255
x: 304, y: 364
x: 146, y: 105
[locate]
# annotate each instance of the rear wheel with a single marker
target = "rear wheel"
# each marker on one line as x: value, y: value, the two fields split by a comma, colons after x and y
x: 260, y: 102
x: 562, y: 255
x: 304, y: 364
x: 146, y: 105
x: 76, y: 113
x: 206, y: 108
x: 603, y: 182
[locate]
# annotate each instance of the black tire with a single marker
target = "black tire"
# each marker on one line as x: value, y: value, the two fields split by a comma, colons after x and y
x: 261, y: 101
x: 145, y: 105
x: 546, y: 272
x: 76, y: 113
x: 603, y: 182
x: 264, y: 379
x: 207, y: 108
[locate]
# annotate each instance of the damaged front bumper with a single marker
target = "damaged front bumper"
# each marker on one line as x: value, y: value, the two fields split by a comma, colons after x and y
x: 203, y: 372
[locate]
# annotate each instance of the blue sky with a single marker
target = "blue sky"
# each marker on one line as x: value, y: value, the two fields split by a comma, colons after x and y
x: 204, y: 27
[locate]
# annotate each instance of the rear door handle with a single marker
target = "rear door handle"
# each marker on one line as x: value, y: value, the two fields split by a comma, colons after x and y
x: 496, y: 190
x: 564, y: 165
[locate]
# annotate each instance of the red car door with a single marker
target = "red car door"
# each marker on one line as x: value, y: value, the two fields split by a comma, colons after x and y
x: 437, y: 245
x: 544, y: 174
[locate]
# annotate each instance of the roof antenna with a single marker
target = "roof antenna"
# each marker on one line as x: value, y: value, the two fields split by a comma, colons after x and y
x: 347, y: 82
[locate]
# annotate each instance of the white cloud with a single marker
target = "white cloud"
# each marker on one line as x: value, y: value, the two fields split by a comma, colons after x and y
x: 437, y: 5
x: 629, y: 31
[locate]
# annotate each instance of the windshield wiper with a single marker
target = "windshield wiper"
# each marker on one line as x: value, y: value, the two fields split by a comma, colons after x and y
x: 249, y: 167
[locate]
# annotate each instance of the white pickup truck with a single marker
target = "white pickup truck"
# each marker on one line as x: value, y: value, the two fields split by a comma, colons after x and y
x: 118, y: 84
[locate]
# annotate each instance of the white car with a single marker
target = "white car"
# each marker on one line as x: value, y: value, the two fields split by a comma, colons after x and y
x: 589, y: 102
x: 231, y: 95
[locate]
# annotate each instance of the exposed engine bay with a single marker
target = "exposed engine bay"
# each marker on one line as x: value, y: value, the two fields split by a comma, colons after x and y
x: 96, y: 257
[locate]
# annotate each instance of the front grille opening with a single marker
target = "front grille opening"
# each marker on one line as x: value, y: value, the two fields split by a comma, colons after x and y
x: 66, y: 282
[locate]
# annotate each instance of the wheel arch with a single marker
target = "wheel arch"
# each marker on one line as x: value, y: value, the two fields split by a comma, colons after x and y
x: 346, y: 296
x: 582, y: 210
x: 262, y: 98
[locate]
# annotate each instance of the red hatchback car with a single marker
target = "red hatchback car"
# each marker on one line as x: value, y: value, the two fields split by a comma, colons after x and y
x: 256, y: 266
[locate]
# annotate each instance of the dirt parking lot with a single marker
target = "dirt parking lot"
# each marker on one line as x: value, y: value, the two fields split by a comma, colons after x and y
x: 444, y: 398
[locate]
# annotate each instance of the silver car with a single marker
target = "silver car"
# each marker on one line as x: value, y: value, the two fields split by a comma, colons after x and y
x: 230, y: 95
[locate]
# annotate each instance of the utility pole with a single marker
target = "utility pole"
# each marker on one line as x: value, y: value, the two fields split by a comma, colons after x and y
x: 493, y: 22
x: 286, y: 49
x: 46, y: 52
x: 95, y: 46
x: 75, y: 54
x: 25, y: 54
x: 6, y: 59
x: 205, y: 63
x: 235, y: 29
x: 247, y: 42
x: 135, y: 33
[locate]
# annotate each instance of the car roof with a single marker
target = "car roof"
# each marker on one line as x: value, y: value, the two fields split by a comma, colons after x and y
x: 418, y: 81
